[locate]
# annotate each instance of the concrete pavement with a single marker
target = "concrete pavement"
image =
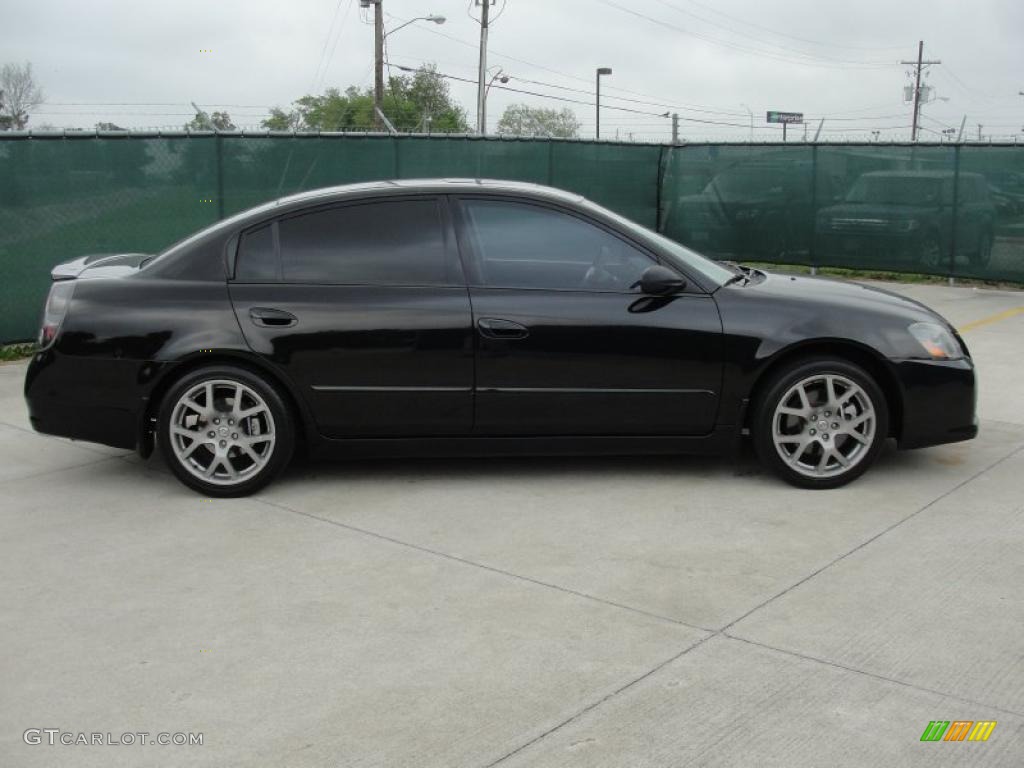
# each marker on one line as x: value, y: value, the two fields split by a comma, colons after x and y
x: 532, y: 612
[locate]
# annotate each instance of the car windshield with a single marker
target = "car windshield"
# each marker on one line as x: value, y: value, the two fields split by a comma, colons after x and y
x: 685, y: 258
x: 745, y: 183
x: 898, y: 190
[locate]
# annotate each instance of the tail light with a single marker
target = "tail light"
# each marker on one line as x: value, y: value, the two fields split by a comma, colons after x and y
x: 56, y: 307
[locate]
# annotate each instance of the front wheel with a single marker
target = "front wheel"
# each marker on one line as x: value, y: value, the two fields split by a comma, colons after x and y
x: 821, y: 423
x: 225, y: 431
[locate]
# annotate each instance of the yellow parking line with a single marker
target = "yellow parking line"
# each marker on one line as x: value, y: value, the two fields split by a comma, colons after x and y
x: 993, y: 319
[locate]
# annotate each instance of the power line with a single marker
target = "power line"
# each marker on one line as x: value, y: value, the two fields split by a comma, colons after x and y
x: 828, y: 44
x: 323, y: 49
x: 560, y: 73
x: 804, y: 59
x: 570, y: 101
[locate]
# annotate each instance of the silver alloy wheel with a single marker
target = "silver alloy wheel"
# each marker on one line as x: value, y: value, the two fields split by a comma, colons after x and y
x: 824, y: 425
x: 222, y: 431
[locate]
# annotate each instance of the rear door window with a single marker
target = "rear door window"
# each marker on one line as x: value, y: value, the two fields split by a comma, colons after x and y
x: 257, y: 257
x: 392, y: 242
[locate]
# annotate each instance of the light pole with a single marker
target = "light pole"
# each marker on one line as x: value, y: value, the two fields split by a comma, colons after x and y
x: 378, y: 52
x: 499, y: 75
x: 600, y: 71
x: 751, y: 113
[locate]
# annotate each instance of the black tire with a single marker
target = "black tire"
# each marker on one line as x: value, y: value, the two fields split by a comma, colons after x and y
x: 274, y: 455
x: 783, y: 382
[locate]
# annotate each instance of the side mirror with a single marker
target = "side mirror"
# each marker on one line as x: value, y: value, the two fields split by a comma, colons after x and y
x: 661, y: 281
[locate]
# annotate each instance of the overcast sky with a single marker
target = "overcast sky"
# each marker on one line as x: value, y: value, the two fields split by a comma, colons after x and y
x: 139, y: 64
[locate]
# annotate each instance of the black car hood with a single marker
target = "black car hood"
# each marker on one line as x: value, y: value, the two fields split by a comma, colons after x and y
x: 828, y: 292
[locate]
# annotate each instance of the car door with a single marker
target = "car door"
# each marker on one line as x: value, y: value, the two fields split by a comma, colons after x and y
x: 364, y: 306
x: 566, y: 344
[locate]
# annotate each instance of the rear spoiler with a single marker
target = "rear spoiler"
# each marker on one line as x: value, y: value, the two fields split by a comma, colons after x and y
x: 69, y: 270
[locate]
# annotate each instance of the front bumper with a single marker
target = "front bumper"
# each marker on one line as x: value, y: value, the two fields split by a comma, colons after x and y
x: 939, y: 401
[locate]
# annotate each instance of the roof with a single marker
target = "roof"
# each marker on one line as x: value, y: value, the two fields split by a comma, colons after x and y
x: 431, y: 186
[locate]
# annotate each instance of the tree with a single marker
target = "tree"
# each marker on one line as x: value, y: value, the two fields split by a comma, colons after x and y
x: 218, y: 121
x: 103, y: 126
x: 19, y: 95
x: 524, y: 120
x: 417, y: 102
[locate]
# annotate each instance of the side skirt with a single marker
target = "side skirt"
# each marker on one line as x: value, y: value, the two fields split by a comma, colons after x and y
x: 720, y: 442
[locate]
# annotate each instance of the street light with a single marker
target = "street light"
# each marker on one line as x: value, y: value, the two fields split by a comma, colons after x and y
x: 379, y: 36
x: 499, y: 75
x: 432, y: 17
x: 600, y: 71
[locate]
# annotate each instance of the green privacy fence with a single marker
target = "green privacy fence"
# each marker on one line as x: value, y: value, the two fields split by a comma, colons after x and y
x: 940, y: 209
x: 950, y: 210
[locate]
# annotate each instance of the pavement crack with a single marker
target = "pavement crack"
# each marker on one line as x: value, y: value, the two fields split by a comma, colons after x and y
x: 877, y: 536
x: 482, y: 566
x: 599, y: 702
x: 875, y: 675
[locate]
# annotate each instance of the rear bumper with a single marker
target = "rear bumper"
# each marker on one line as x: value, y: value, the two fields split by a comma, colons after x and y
x: 91, y: 399
x: 939, y: 402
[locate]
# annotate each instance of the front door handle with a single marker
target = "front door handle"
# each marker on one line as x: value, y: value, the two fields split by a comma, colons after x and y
x: 272, y: 318
x: 504, y: 330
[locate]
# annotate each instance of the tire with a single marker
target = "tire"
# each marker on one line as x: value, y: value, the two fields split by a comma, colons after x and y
x: 237, y: 447
x: 848, y: 440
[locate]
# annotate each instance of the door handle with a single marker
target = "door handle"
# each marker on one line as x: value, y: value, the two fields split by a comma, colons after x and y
x: 504, y: 330
x: 272, y: 318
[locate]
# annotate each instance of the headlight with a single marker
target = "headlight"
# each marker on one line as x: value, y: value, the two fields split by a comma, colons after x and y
x: 937, y: 341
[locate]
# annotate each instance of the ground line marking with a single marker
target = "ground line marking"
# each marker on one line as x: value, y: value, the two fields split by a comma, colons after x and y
x: 991, y: 319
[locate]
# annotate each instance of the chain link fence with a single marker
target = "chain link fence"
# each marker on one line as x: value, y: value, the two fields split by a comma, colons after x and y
x: 937, y: 209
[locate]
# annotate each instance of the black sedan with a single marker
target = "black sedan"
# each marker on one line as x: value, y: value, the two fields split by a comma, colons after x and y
x: 469, y: 317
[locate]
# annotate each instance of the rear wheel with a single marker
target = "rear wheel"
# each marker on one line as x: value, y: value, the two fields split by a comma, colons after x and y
x: 225, y: 431
x: 821, y: 423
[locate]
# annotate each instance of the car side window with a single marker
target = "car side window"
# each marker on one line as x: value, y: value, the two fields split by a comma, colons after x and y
x: 520, y: 245
x: 390, y: 242
x: 257, y: 256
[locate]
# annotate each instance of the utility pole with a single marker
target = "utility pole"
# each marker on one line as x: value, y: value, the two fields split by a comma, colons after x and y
x: 918, y: 65
x: 601, y: 71
x: 675, y: 127
x: 481, y: 93
x: 378, y: 64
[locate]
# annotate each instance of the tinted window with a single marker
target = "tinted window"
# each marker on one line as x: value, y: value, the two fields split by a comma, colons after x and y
x: 396, y: 242
x: 257, y: 257
x: 518, y: 245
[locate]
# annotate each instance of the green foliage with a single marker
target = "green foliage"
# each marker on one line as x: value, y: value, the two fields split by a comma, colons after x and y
x: 524, y: 120
x: 218, y: 121
x: 12, y: 352
x: 420, y: 102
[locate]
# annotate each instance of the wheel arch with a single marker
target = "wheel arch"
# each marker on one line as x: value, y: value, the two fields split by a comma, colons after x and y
x: 305, y: 426
x: 843, y: 349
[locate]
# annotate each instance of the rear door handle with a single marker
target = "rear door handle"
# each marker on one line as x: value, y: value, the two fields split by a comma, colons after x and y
x: 272, y: 318
x: 495, y: 328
